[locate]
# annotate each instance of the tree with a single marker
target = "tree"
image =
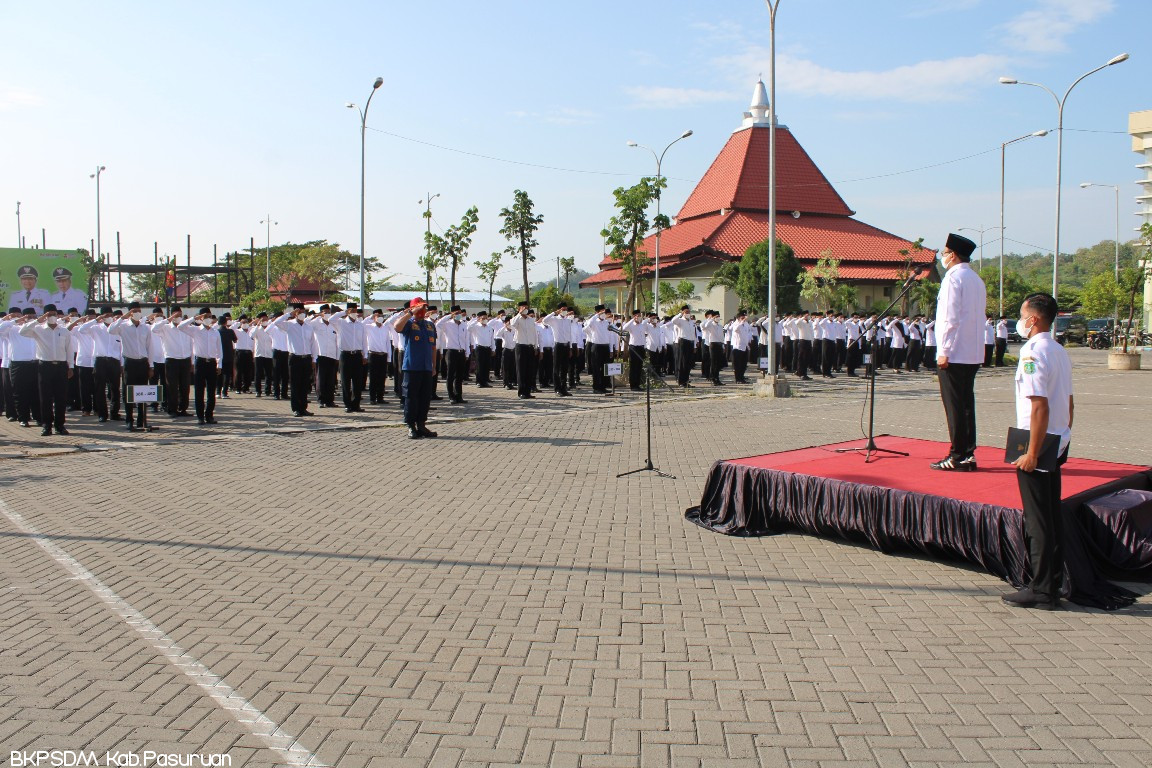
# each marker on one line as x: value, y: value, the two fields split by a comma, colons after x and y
x: 488, y: 272
x: 749, y: 277
x: 924, y: 295
x: 626, y: 231
x: 906, y: 270
x: 818, y: 284
x: 1133, y: 279
x: 1016, y: 288
x: 520, y: 225
x: 451, y: 248
x: 671, y: 299
x: 548, y: 299
x: 845, y: 297
x: 568, y: 268
x: 1100, y: 296
x: 256, y: 302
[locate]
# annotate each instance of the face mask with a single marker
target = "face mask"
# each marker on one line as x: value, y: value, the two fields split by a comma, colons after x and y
x: 52, y: 322
x: 353, y: 316
x: 301, y: 318
x: 420, y: 314
x: 1021, y: 329
x: 208, y: 323
x: 263, y: 323
x: 244, y: 326
x: 107, y: 321
x: 137, y: 315
x: 379, y: 321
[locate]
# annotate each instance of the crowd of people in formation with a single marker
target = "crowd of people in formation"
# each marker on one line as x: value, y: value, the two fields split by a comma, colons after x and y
x: 82, y: 361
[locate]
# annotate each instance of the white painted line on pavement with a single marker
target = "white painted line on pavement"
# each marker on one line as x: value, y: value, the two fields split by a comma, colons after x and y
x: 251, y: 719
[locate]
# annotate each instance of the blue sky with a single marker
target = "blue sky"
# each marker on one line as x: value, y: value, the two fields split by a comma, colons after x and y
x: 210, y: 115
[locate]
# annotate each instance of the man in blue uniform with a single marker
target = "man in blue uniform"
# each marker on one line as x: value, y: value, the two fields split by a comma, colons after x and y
x: 419, y: 366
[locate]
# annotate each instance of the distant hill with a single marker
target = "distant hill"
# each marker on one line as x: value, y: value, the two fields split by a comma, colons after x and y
x: 577, y: 292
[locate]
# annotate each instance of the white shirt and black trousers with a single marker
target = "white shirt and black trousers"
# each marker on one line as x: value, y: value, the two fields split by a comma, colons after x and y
x: 206, y: 351
x: 1044, y: 371
x: 527, y: 340
x: 960, y: 338
x: 135, y: 339
x: 54, y: 352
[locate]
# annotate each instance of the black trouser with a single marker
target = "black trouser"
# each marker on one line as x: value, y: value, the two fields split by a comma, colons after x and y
x: 957, y: 390
x: 280, y: 373
x: 326, y: 368
x: 739, y: 364
x: 915, y: 354
x: 25, y: 377
x: 497, y: 357
x: 378, y: 376
x: 547, y: 363
x: 264, y: 375
x: 484, y: 366
x: 716, y: 351
x: 417, y: 396
x: 786, y: 361
x: 509, y: 367
x: 841, y: 354
x: 53, y: 393
x: 803, y: 351
x: 854, y: 356
x: 135, y: 374
x: 107, y: 380
x: 157, y: 379
x: 398, y: 372
x: 998, y: 354
x: 204, y: 381
x: 1040, y: 492
x: 300, y: 381
x: 352, y: 378
x: 827, y: 356
x: 635, y: 365
x: 457, y: 367
x: 988, y: 348
x: 560, y: 374
x: 930, y: 357
x: 705, y: 360
x: 74, y: 390
x: 597, y: 359
x: 87, y: 386
x: 245, y: 370
x: 225, y: 373
x: 684, y: 353
x: 7, y: 402
x: 525, y: 360
x: 896, y: 358
x: 177, y: 377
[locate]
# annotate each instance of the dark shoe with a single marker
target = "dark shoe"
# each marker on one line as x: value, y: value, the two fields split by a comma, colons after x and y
x: 717, y: 383
x: 210, y: 420
x: 636, y: 389
x: 413, y: 434
x: 103, y: 419
x: 949, y: 464
x: 46, y: 432
x: 526, y: 397
x: 307, y: 413
x: 806, y: 378
x: 437, y: 397
x: 564, y: 394
x: 61, y: 431
x: 423, y: 431
x: 25, y: 424
x: 200, y: 421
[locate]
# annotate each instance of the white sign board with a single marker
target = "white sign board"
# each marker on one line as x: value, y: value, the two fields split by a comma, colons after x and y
x: 613, y: 369
x: 145, y: 393
x: 867, y: 359
x: 763, y: 363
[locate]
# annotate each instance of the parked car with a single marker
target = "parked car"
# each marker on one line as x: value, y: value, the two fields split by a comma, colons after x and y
x: 1070, y: 329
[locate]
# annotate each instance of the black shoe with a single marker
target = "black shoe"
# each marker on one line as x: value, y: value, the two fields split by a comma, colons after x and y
x: 526, y: 397
x: 636, y: 389
x: 423, y: 431
x: 200, y: 421
x: 484, y: 386
x: 306, y: 413
x: 413, y: 434
x: 46, y: 432
x: 25, y: 424
x: 61, y: 431
x: 210, y: 420
x: 949, y: 464
x: 806, y: 378
x: 437, y: 397
x: 564, y: 394
x: 717, y: 383
x: 103, y: 419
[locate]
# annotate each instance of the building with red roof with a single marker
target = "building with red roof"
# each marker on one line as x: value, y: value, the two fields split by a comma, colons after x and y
x: 728, y: 211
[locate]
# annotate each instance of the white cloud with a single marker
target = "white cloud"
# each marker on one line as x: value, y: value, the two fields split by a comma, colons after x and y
x: 1045, y: 28
x: 923, y: 82
x: 655, y: 97
x: 12, y: 97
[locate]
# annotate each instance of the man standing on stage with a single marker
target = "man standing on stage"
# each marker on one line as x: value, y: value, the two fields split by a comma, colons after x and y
x: 1044, y: 407
x: 960, y: 350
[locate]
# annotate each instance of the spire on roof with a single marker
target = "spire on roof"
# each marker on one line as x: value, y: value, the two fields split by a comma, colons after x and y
x: 757, y: 114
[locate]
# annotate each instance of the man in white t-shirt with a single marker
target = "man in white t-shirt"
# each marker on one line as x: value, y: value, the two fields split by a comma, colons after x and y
x: 1044, y: 407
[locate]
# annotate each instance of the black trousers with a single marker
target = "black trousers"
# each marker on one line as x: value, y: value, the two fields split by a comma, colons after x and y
x: 930, y: 357
x: 326, y: 368
x: 841, y: 354
x: 157, y: 378
x: 245, y: 370
x: 264, y: 375
x: 739, y: 364
x: 827, y: 356
x: 998, y: 354
x: 896, y: 357
x: 685, y: 350
x: 53, y: 393
x: 803, y: 352
x: 561, y: 358
x: 177, y: 377
x: 545, y: 369
x: 106, y: 374
x: 509, y: 367
x: 988, y: 348
x: 417, y: 389
x: 25, y: 376
x: 1043, y: 523
x: 87, y: 387
x: 300, y: 381
x: 716, y: 351
x: 635, y: 365
x: 280, y: 374
x: 957, y: 390
x: 915, y: 354
x: 597, y: 359
x: 497, y: 358
x: 525, y: 359
x: 705, y: 360
x: 398, y: 372
x: 854, y: 356
x: 204, y: 382
x: 135, y: 374
x: 225, y: 373
x: 352, y: 378
x: 7, y: 402
x: 74, y: 390
x: 484, y: 366
x: 455, y: 372
x: 575, y: 365
x: 377, y: 376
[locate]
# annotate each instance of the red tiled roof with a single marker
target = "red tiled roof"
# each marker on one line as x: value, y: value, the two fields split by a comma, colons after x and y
x: 738, y: 178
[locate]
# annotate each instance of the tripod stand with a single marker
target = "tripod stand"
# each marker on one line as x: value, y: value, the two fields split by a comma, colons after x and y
x: 649, y: 374
x: 871, y: 447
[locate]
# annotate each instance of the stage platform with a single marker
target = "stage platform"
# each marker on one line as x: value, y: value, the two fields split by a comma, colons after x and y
x: 896, y: 503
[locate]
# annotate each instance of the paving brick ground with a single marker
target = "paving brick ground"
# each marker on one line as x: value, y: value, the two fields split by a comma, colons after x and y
x: 498, y: 597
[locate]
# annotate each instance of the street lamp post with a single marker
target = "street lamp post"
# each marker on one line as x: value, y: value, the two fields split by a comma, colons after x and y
x: 1060, y: 143
x: 268, y: 253
x: 779, y: 387
x: 980, y: 253
x: 659, y: 229
x: 1116, y: 310
x: 427, y: 201
x: 19, y: 234
x: 99, y: 170
x: 1003, y: 146
x: 363, y: 130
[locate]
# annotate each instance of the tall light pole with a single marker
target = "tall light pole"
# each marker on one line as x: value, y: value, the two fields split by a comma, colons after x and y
x: 659, y: 229
x: 19, y: 234
x: 980, y: 257
x: 1003, y: 146
x: 363, y: 131
x: 99, y: 170
x: 427, y: 202
x: 1060, y: 143
x: 1116, y: 310
x: 268, y: 253
x: 779, y: 387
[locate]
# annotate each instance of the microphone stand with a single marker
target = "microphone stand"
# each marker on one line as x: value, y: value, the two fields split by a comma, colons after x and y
x: 871, y: 447
x: 649, y: 374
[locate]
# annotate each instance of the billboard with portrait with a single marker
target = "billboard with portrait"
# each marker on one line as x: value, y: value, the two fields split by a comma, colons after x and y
x: 34, y: 277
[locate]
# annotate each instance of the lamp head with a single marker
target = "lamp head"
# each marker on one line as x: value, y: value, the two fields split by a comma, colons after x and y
x: 350, y: 105
x: 1085, y: 184
x: 632, y: 143
x: 686, y: 134
x: 1117, y: 59
x: 379, y: 82
x: 1008, y: 81
x: 1040, y: 133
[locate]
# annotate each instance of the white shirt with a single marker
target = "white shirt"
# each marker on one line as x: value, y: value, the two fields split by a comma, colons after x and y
x: 1044, y: 370
x: 685, y: 328
x: 327, y: 344
x: 20, y: 349
x: 454, y: 334
x: 243, y: 340
x: 654, y: 338
x: 133, y: 337
x: 70, y: 299
x: 377, y: 338
x: 741, y: 335
x: 561, y: 327
x: 53, y: 345
x: 299, y: 337
x: 1002, y: 330
x: 279, y: 340
x: 544, y: 333
x: 155, y: 346
x: 505, y: 336
x: 930, y: 334
x: 262, y: 339
x: 177, y: 346
x: 802, y: 329
x: 597, y: 329
x: 481, y: 334
x: 637, y: 332
x: 103, y: 342
x: 205, y: 340
x: 960, y: 316
x: 990, y: 333
x: 524, y: 330
x: 712, y: 331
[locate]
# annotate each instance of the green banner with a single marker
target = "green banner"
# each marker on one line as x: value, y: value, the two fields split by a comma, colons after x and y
x: 34, y: 277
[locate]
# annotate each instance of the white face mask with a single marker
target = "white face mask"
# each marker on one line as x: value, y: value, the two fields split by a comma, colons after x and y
x: 52, y: 322
x: 207, y: 322
x: 137, y: 315
x: 379, y: 321
x: 263, y: 323
x: 244, y: 326
x: 1021, y: 329
x: 107, y: 321
x: 353, y: 315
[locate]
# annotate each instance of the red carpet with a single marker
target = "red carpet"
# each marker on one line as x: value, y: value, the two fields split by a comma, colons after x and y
x: 994, y: 483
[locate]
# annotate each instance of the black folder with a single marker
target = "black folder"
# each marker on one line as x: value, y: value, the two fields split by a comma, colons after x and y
x: 1018, y: 440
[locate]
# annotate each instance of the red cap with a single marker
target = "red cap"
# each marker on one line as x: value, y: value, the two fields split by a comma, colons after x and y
x: 416, y: 302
